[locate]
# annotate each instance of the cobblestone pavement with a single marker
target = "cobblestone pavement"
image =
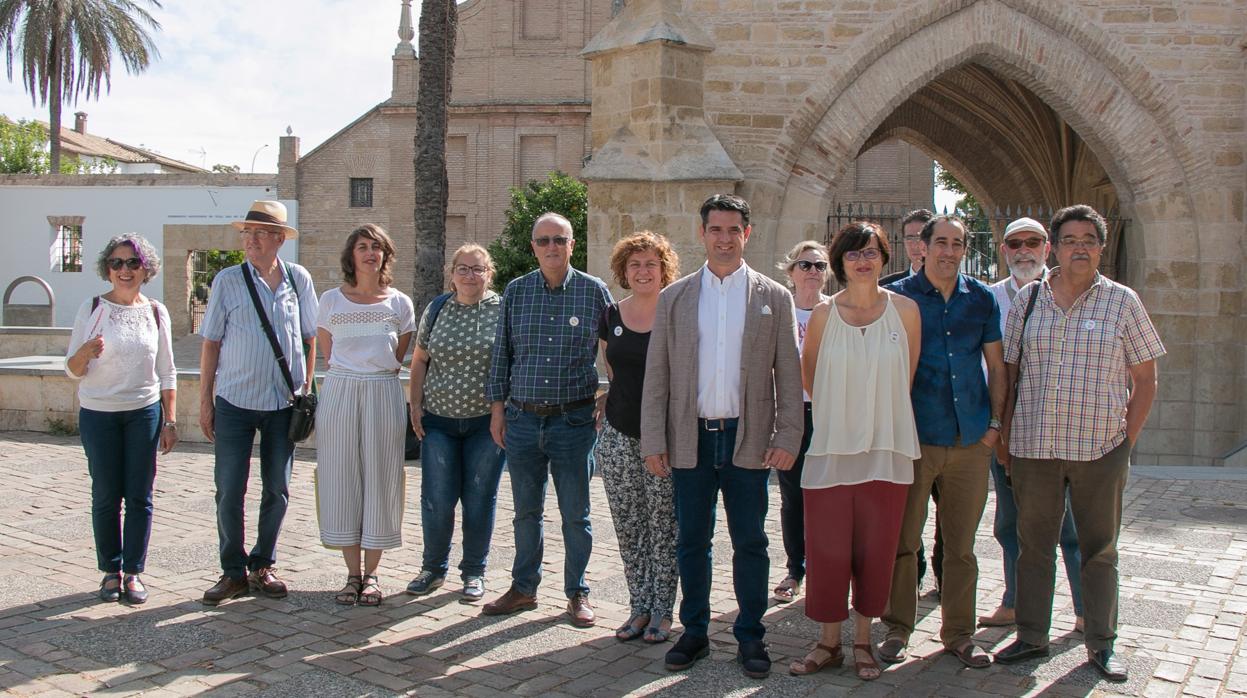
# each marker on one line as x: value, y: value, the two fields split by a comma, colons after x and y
x: 1183, y: 600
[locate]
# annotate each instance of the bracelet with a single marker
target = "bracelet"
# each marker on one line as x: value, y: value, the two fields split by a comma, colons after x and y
x: 170, y: 425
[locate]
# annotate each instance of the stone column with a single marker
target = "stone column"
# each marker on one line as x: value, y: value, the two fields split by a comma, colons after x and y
x: 654, y: 157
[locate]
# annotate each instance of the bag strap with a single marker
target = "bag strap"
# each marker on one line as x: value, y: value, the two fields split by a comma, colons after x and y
x: 278, y: 354
x: 435, y: 308
x: 1030, y: 307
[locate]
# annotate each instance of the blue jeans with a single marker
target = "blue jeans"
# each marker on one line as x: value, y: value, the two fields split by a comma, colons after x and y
x: 459, y: 462
x: 744, y: 502
x: 1005, y: 529
x: 121, y: 458
x: 236, y: 428
x: 540, y: 448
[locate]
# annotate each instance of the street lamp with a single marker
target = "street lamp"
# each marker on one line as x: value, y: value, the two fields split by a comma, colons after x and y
x: 253, y: 157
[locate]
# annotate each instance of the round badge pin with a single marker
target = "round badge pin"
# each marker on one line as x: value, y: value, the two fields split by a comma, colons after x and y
x: 574, y: 321
x: 618, y: 331
x: 1089, y: 325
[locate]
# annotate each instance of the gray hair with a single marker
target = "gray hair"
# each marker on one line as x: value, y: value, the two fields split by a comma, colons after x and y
x: 790, y: 260
x: 143, y: 249
x: 556, y: 217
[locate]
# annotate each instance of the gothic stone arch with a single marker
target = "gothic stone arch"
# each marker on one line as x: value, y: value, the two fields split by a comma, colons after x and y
x: 1133, y: 123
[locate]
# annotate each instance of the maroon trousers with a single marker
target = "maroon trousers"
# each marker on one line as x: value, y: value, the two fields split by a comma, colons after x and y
x: 851, y: 534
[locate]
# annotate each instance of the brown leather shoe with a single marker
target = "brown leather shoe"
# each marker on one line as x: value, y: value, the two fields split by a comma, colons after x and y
x: 579, y: 609
x: 265, y: 581
x: 511, y: 602
x: 227, y: 587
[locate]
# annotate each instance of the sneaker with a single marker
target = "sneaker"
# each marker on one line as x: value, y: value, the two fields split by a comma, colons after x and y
x: 425, y: 583
x: 473, y: 588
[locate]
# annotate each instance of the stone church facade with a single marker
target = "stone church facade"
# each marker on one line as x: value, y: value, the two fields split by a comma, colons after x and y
x: 1136, y: 107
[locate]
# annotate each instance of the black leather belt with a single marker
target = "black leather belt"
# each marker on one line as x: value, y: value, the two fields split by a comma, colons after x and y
x: 551, y: 410
x: 721, y: 424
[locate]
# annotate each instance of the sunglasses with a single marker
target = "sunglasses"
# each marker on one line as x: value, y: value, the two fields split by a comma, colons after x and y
x: 1032, y: 243
x: 558, y: 240
x: 131, y: 263
x: 806, y: 265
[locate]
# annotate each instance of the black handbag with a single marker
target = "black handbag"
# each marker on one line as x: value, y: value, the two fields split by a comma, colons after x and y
x: 303, y: 415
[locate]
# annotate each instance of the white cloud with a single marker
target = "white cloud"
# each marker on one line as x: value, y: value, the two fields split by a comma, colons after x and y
x: 234, y: 73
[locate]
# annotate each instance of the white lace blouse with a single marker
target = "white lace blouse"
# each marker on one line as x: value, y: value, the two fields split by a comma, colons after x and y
x: 137, y: 361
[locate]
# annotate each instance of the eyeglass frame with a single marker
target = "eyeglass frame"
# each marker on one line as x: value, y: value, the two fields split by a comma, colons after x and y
x: 558, y: 240
x: 116, y: 263
x: 806, y: 265
x: 465, y: 270
x: 1030, y: 243
x: 867, y: 253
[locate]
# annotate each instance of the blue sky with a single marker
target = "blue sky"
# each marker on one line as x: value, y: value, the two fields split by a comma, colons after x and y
x: 233, y: 74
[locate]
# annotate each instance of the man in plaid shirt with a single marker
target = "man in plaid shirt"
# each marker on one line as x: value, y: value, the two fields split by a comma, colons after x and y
x: 542, y: 382
x: 1087, y: 359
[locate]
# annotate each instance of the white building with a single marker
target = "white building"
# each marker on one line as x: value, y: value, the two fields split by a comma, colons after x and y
x: 55, y: 226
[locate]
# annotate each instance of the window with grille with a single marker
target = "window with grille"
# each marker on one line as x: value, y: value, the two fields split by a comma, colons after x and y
x: 66, y: 251
x: 361, y: 192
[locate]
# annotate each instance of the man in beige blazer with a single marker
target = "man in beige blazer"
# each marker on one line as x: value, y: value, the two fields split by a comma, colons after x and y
x: 722, y: 405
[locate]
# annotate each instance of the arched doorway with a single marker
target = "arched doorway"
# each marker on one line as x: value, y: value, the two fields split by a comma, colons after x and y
x: 914, y: 79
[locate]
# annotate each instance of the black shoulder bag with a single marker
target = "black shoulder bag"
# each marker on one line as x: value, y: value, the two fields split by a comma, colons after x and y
x: 303, y: 418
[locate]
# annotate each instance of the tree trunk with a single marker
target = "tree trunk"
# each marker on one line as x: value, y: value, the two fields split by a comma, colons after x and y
x: 54, y: 108
x: 439, y: 21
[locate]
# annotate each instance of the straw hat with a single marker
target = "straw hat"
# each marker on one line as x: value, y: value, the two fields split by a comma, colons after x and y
x: 268, y: 214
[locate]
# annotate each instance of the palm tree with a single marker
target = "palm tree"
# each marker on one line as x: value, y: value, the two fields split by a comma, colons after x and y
x: 66, y: 47
x: 439, y: 20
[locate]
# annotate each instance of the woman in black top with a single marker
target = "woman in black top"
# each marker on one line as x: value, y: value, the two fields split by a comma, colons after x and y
x: 642, y: 505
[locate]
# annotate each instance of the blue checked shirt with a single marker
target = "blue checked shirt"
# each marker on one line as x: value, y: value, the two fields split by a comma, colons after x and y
x: 950, y: 392
x: 247, y: 375
x: 547, y: 340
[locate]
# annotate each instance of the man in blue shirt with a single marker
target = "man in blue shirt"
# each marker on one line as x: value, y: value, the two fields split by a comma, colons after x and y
x: 958, y: 417
x: 542, y: 383
x: 243, y: 392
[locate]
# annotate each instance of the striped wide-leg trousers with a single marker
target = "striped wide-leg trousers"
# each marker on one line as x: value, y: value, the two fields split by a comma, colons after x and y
x: 360, y: 430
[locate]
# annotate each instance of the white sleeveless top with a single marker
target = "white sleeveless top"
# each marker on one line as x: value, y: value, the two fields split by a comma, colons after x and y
x: 863, y: 418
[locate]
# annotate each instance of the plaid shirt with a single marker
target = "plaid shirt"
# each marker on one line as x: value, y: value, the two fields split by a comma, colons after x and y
x: 1075, y: 369
x: 547, y: 340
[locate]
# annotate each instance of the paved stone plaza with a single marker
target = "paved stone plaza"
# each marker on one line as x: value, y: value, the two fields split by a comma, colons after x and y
x: 1184, y: 597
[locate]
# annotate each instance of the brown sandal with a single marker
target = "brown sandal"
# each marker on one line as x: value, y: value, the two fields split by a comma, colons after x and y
x: 370, y: 592
x: 868, y: 670
x: 804, y: 666
x: 787, y: 590
x: 350, y: 593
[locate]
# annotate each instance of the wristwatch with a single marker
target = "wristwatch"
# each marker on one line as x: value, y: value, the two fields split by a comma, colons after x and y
x: 169, y: 425
x: 994, y: 423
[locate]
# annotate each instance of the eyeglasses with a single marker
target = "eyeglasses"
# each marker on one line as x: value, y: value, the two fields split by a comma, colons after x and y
x: 806, y: 265
x: 131, y: 263
x: 558, y: 240
x: 257, y: 233
x: 1032, y: 243
x: 868, y: 253
x: 465, y: 270
x: 1082, y: 243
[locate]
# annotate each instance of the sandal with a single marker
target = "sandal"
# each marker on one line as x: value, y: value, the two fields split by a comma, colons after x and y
x: 369, y: 592
x: 971, y: 655
x: 868, y: 670
x: 802, y: 667
x: 787, y: 589
x: 631, y: 630
x: 110, y: 587
x: 350, y: 593
x: 893, y: 650
x: 656, y: 634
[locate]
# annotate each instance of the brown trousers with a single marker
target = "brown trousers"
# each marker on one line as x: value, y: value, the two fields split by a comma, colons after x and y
x: 1095, y: 495
x: 961, y: 473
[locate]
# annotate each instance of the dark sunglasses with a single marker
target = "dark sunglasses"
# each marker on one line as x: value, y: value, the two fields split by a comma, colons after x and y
x: 806, y: 265
x: 132, y: 263
x: 1033, y: 243
x: 558, y: 240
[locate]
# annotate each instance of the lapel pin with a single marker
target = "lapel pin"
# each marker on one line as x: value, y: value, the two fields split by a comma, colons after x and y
x: 766, y: 310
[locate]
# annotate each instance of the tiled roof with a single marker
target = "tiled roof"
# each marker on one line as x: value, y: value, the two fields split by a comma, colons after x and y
x: 94, y: 146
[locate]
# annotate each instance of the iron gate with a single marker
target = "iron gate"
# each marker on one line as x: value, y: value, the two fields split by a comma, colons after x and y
x: 982, y: 252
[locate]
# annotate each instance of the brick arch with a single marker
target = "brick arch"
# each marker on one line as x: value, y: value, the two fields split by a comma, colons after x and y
x: 1129, y: 119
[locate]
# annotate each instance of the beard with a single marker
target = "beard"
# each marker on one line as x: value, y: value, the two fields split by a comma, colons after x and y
x: 1028, y: 269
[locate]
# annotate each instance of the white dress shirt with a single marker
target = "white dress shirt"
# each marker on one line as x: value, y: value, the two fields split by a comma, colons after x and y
x: 720, y: 332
